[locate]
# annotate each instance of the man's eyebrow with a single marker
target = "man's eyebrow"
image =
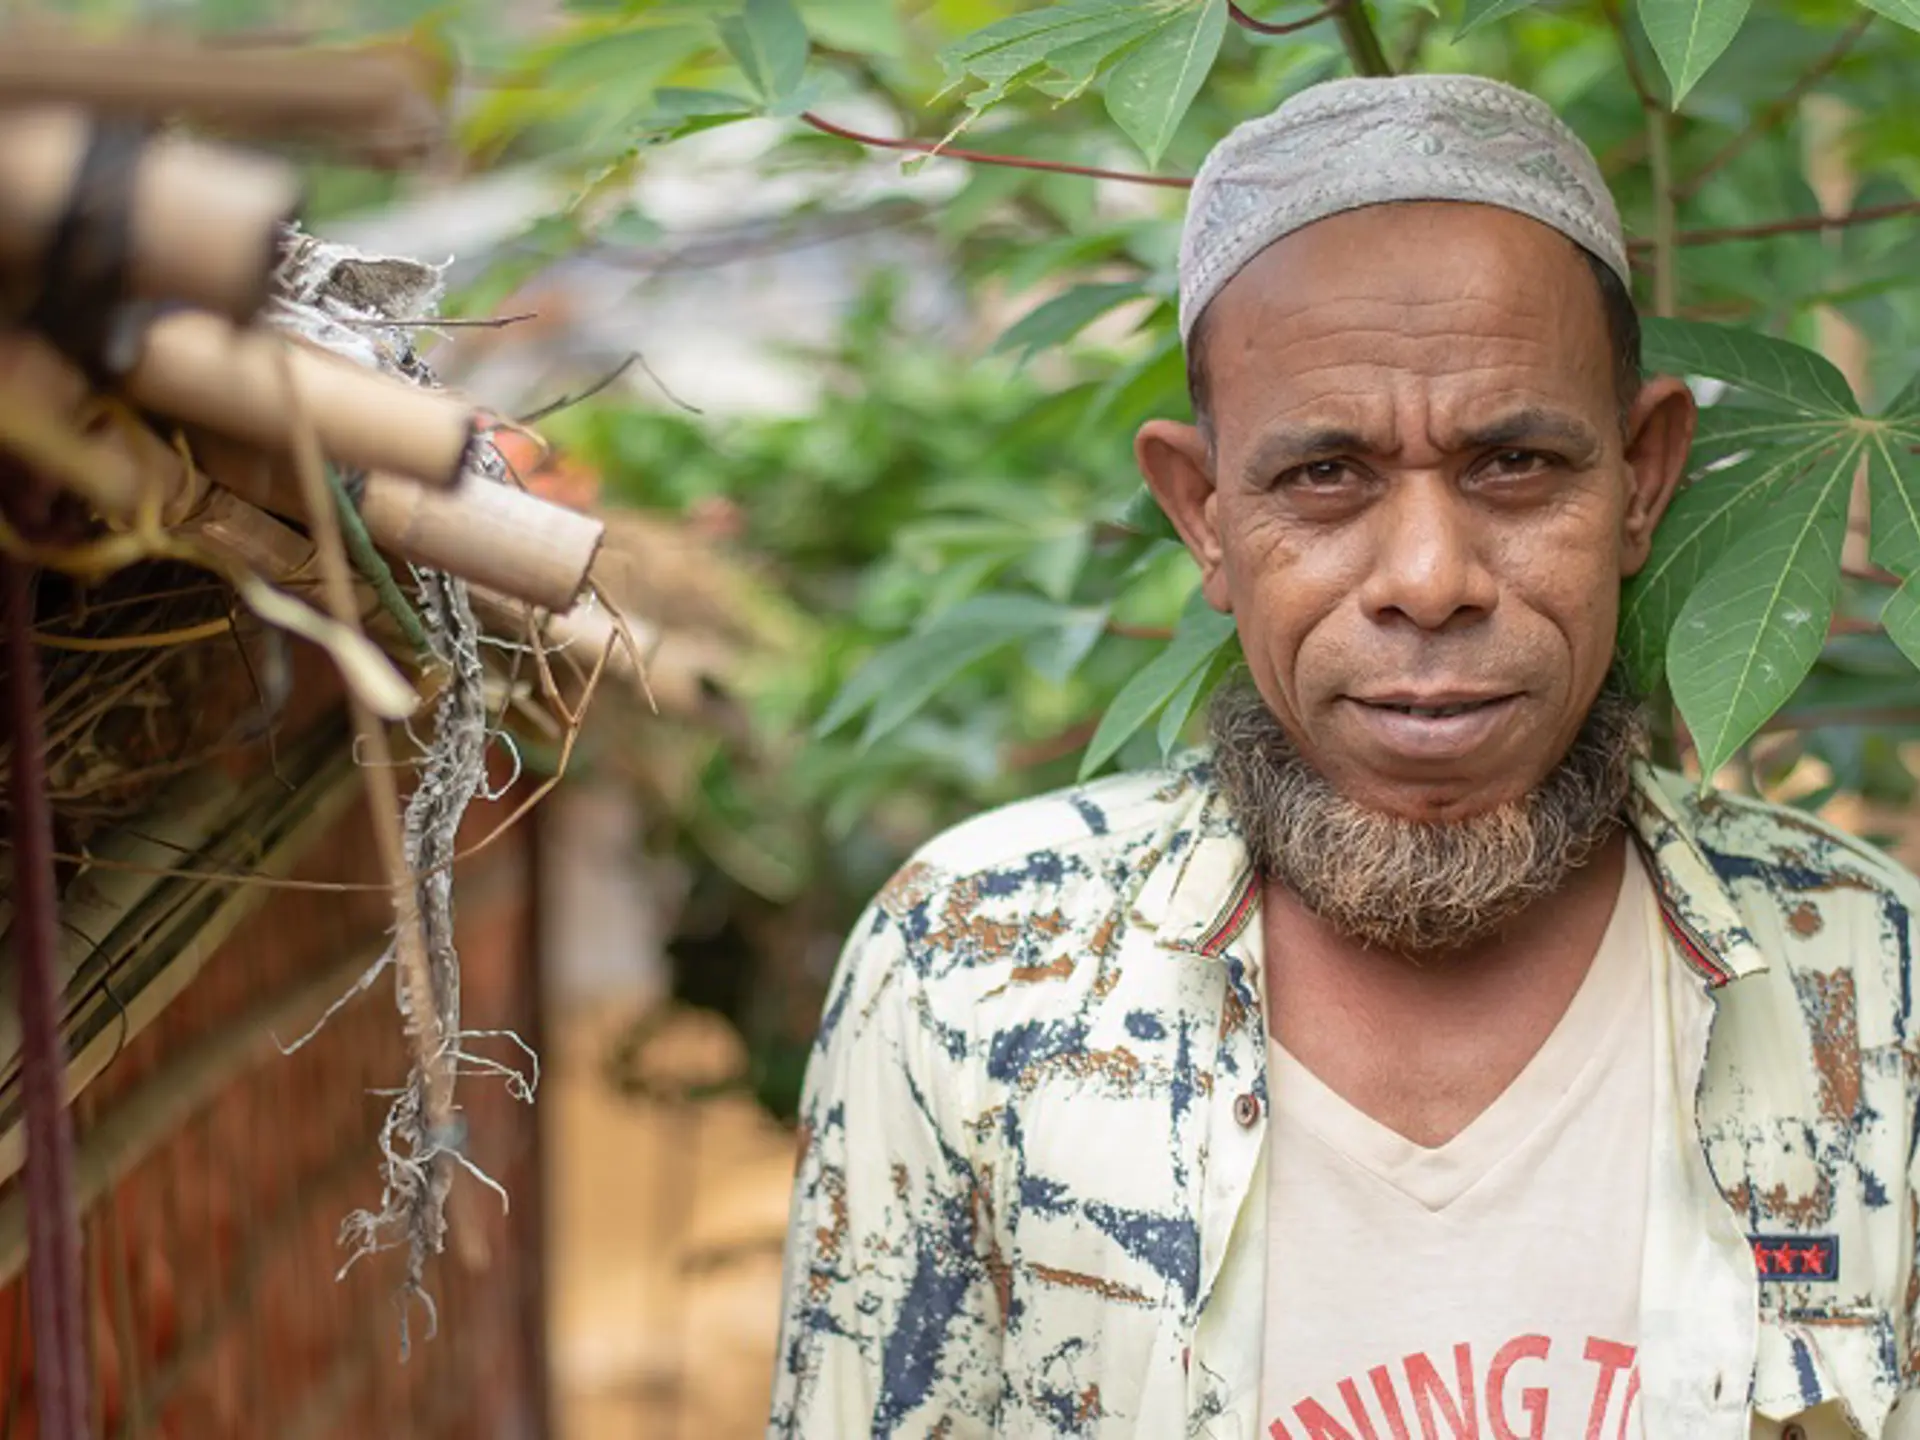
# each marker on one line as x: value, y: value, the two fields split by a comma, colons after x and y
x: 1533, y: 425
x: 1292, y: 444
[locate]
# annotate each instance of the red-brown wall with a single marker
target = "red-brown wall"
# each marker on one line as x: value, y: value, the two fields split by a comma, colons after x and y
x: 211, y: 1265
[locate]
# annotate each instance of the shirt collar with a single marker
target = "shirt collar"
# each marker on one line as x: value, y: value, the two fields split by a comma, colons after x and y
x: 1202, y: 895
x: 1699, y: 910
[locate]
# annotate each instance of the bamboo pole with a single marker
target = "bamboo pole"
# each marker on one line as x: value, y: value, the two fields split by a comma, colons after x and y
x: 235, y: 381
x: 494, y: 535
x: 203, y: 222
x: 370, y: 102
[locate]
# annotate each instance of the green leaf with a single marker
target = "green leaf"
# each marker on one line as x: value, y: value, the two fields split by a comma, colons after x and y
x: 1893, y: 484
x: 1054, y: 565
x: 1063, y: 317
x: 1173, y: 719
x: 1905, y: 12
x: 1144, y: 516
x: 1893, y: 481
x: 1689, y: 35
x: 1698, y: 528
x: 858, y: 27
x: 1081, y: 33
x: 1900, y: 617
x: 769, y: 41
x: 1484, y: 12
x: 1758, y: 364
x: 1055, y: 654
x: 900, y: 680
x: 1199, y: 636
x: 1074, y: 67
x: 1150, y: 91
x: 1750, y: 632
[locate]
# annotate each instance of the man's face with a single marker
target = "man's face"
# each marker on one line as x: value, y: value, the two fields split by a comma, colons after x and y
x: 1421, y: 498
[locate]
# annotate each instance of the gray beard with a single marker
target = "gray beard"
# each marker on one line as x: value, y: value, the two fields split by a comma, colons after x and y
x: 1412, y: 887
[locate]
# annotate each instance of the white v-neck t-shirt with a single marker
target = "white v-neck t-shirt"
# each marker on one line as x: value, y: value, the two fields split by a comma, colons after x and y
x: 1489, y: 1287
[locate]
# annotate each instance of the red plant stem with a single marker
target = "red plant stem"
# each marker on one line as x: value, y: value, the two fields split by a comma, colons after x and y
x: 53, y: 1231
x: 1796, y: 225
x: 1799, y: 224
x: 1287, y: 27
x: 977, y: 157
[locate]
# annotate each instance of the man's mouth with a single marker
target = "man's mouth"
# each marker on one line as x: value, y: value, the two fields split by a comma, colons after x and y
x: 1435, y: 712
x: 1434, y: 706
x: 1445, y: 726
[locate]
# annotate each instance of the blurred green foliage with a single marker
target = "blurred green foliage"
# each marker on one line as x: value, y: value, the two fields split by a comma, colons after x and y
x: 992, y: 604
x: 998, y: 607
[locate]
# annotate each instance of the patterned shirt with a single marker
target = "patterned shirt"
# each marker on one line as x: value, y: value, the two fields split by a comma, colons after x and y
x: 1030, y: 1197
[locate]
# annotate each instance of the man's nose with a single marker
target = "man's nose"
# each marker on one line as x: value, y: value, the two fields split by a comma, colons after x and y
x: 1429, y: 566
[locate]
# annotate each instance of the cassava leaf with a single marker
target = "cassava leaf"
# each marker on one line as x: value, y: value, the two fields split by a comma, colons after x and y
x: 1198, y: 637
x: 1083, y: 33
x: 1762, y: 366
x: 1072, y: 68
x: 1063, y: 317
x: 1751, y: 630
x: 1689, y: 35
x: 1893, y: 483
x: 769, y: 41
x: 1904, y: 12
x: 1893, y: 480
x: 1150, y: 90
x: 1700, y: 526
x: 1476, y: 13
x: 1900, y: 618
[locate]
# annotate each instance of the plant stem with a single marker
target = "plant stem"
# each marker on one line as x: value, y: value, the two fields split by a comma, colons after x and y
x: 1660, y: 155
x: 1717, y: 236
x: 1362, y: 41
x: 1285, y: 27
x: 1798, y: 225
x: 1784, y: 105
x: 977, y: 157
x: 373, y: 567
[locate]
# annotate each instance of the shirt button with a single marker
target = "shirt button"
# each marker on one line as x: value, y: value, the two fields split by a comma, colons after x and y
x: 1793, y: 1432
x: 1246, y: 1109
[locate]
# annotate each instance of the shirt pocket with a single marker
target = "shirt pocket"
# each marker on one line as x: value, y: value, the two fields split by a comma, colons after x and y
x: 1831, y: 1370
x: 1823, y: 1422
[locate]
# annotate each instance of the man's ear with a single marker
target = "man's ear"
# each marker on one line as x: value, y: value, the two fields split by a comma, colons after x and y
x: 1178, y: 468
x: 1659, y: 434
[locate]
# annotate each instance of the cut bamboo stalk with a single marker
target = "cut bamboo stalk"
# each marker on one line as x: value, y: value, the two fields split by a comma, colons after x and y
x: 245, y: 534
x: 489, y: 533
x: 116, y: 465
x: 204, y: 221
x: 233, y: 380
x: 493, y: 535
x: 371, y: 103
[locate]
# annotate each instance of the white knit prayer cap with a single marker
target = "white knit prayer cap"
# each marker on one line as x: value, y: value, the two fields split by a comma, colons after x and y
x: 1346, y: 144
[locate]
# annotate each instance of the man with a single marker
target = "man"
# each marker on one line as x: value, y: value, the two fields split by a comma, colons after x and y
x: 1417, y: 1063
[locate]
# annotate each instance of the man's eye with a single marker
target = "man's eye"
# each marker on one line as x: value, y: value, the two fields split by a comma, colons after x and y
x: 1317, y: 475
x: 1516, y: 462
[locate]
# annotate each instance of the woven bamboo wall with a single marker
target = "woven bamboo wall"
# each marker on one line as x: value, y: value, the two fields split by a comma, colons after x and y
x: 215, y: 1311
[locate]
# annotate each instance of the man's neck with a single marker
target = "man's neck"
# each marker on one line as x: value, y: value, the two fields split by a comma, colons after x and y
x: 1424, y: 1047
